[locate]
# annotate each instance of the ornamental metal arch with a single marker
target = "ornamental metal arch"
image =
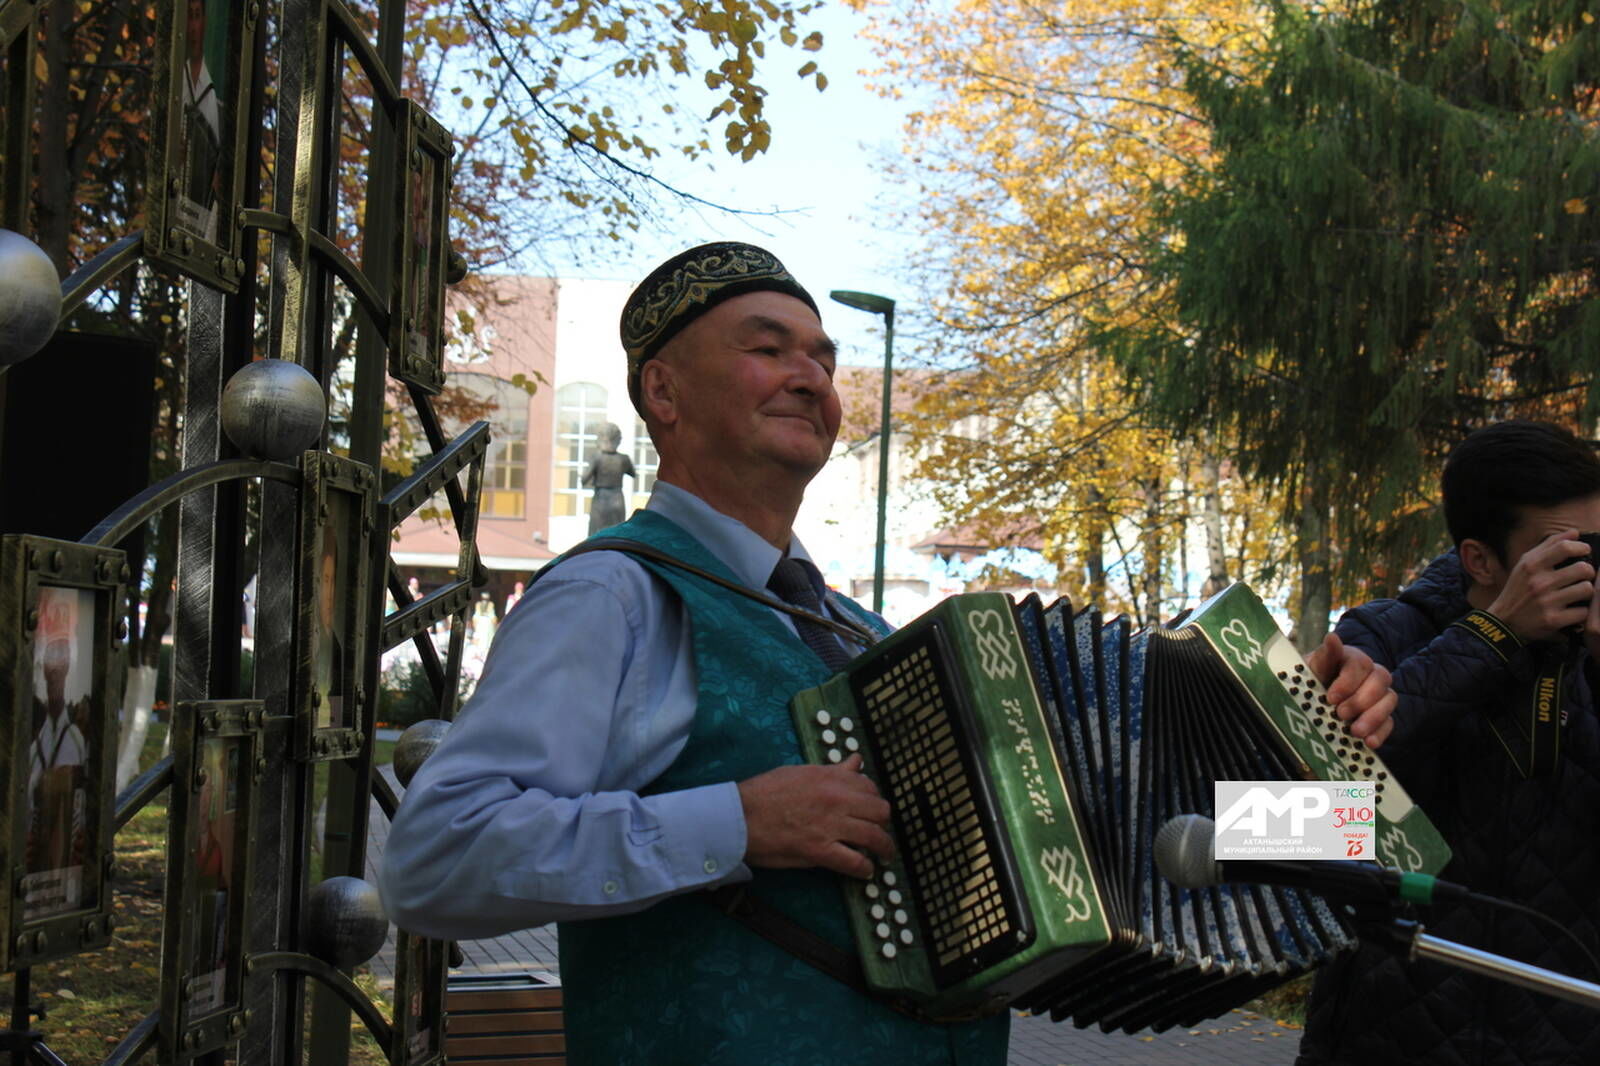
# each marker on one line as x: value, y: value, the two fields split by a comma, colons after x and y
x: 254, y: 967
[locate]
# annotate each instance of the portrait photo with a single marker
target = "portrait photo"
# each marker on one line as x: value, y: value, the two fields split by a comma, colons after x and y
x: 215, y: 830
x: 60, y: 754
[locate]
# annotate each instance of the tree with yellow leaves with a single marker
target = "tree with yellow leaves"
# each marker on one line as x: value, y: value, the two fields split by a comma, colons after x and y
x: 1049, y: 126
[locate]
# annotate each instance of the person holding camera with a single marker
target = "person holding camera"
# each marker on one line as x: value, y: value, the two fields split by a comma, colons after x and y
x: 1493, y: 652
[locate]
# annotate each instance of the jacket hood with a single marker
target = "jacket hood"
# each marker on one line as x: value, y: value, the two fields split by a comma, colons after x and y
x: 1441, y: 591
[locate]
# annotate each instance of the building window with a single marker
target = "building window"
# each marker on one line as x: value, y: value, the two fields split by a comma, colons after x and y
x: 645, y: 462
x: 580, y: 412
x: 505, y: 475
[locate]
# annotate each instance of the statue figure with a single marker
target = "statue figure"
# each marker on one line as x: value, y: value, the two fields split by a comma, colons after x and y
x: 605, y: 475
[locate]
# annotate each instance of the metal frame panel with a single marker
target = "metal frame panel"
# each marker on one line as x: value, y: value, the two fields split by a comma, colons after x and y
x: 419, y: 980
x: 337, y: 512
x: 416, y: 328
x: 200, y: 133
x: 47, y: 589
x: 217, y: 763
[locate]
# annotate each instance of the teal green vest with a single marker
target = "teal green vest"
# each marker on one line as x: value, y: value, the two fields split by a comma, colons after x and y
x: 683, y: 983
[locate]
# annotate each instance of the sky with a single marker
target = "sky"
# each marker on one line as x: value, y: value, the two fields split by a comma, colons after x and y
x: 821, y: 172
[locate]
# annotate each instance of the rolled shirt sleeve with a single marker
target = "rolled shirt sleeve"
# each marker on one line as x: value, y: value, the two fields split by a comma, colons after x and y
x: 529, y: 811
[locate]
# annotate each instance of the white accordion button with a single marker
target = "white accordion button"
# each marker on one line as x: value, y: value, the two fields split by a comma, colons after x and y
x: 894, y: 896
x: 846, y: 724
x: 900, y: 917
x: 829, y: 736
x: 834, y: 755
x: 882, y: 930
x: 888, y: 878
x: 888, y: 951
x: 872, y: 890
x: 905, y: 936
x: 852, y: 744
x: 823, y: 717
x: 877, y: 912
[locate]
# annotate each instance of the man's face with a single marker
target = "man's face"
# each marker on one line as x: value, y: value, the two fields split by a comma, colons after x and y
x: 1538, y: 523
x: 754, y: 386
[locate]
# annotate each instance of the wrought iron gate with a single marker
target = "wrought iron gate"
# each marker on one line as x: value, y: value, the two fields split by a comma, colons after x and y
x: 259, y: 935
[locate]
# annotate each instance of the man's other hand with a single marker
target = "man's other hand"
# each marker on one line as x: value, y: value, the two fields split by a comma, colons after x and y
x: 798, y: 816
x: 1358, y: 688
x: 1547, y: 592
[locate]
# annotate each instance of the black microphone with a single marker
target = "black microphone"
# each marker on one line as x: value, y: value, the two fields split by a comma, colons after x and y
x: 1185, y: 850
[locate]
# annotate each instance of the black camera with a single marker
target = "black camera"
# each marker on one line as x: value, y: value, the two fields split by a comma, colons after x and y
x: 1593, y: 558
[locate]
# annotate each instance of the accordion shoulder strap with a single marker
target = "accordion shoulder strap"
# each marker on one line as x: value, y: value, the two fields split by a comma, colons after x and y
x: 847, y: 629
x: 772, y: 925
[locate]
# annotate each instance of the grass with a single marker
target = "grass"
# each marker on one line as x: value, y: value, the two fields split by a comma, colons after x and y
x: 1285, y: 1004
x: 91, y: 1001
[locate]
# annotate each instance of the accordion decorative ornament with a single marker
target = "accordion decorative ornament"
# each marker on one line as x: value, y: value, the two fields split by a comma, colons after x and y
x: 1030, y: 754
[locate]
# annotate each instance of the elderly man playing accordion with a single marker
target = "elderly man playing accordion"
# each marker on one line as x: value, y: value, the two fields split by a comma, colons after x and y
x: 630, y: 747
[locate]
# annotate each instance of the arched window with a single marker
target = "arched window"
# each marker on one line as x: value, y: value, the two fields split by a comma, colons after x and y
x: 505, y: 475
x: 645, y: 462
x: 580, y: 412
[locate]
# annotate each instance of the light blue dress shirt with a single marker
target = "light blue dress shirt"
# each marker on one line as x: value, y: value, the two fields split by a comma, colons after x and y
x: 529, y: 811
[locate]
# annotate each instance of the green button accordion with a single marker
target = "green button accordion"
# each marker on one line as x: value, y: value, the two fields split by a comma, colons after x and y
x: 1030, y: 754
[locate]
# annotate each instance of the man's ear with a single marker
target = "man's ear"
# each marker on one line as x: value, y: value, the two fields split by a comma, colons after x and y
x: 658, y: 391
x: 1481, y: 563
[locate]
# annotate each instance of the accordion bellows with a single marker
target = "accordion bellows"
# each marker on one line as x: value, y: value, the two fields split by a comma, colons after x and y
x: 1030, y: 754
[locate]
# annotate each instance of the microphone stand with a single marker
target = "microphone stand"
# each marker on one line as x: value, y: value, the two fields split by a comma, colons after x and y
x: 1407, y: 940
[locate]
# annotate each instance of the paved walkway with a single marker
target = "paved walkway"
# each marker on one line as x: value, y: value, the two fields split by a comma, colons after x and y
x: 1240, y: 1038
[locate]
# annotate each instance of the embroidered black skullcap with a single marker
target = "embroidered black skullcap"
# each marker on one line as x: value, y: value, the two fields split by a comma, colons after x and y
x: 687, y: 286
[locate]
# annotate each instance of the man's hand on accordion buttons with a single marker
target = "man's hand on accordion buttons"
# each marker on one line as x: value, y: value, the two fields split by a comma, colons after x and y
x: 1358, y: 688
x: 827, y: 816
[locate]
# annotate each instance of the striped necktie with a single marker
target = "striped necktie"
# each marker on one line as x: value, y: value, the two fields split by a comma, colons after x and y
x: 795, y: 581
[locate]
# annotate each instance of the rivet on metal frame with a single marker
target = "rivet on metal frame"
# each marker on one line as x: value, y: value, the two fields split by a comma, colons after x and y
x: 200, y: 779
x: 224, y: 265
x: 174, y: 189
x: 108, y: 924
x: 40, y: 942
x: 58, y: 559
x: 238, y: 265
x: 172, y: 236
x: 33, y: 620
x: 213, y: 722
x: 187, y: 243
x: 124, y: 574
x: 316, y: 698
x: 122, y: 630
x: 261, y: 768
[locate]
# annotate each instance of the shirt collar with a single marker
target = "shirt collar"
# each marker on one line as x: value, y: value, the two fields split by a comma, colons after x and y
x: 740, y: 548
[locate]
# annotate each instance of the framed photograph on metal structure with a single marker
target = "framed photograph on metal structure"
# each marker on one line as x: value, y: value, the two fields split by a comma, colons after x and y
x: 337, y: 515
x: 217, y: 761
x: 202, y: 87
x: 62, y: 650
x: 419, y: 977
x: 416, y: 330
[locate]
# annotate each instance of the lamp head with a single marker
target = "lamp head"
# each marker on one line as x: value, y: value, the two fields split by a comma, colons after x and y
x: 864, y: 301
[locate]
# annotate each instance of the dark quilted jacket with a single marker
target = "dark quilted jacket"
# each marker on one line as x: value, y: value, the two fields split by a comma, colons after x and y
x: 1536, y: 842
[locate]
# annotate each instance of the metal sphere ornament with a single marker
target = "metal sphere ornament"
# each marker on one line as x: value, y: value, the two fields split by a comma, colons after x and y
x: 345, y: 922
x: 30, y: 298
x: 273, y: 409
x: 414, y: 747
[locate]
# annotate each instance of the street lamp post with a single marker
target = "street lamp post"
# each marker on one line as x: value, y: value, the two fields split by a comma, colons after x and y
x: 878, y: 305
